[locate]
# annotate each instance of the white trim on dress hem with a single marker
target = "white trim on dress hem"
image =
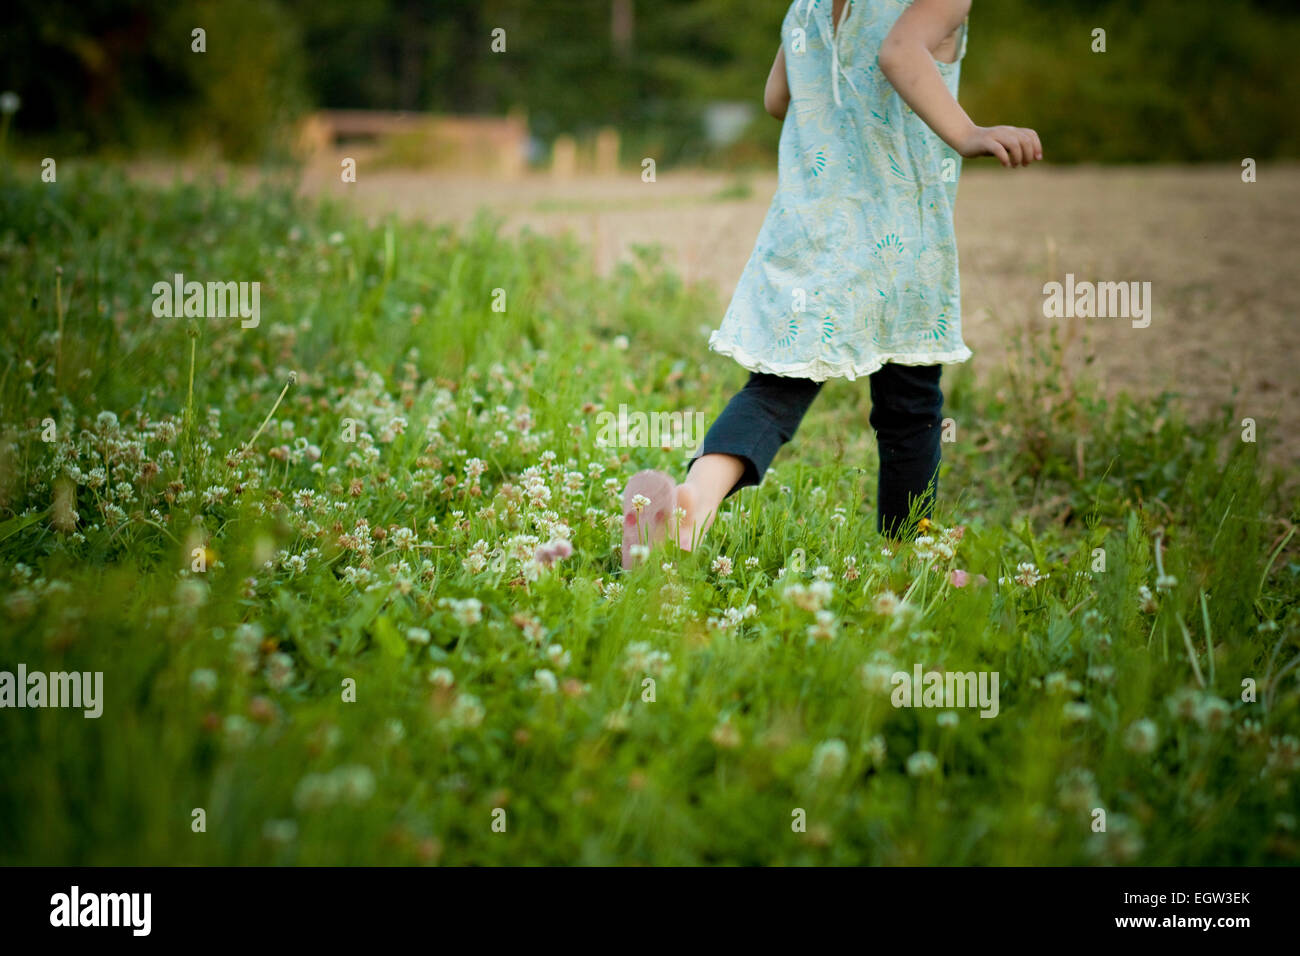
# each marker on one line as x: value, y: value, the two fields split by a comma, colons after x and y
x: 819, y: 370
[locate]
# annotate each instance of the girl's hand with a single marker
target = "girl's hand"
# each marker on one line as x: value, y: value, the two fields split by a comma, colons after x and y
x: 907, y: 59
x: 1012, y: 145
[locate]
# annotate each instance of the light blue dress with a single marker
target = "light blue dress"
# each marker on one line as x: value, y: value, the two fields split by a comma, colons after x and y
x: 856, y: 262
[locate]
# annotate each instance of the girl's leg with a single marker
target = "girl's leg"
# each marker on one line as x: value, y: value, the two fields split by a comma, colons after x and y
x: 907, y: 414
x: 739, y: 447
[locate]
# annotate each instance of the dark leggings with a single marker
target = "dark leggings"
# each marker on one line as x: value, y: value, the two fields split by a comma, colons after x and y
x: 906, y: 413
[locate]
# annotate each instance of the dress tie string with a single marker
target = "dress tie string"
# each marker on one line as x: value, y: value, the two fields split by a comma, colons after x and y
x: 837, y: 68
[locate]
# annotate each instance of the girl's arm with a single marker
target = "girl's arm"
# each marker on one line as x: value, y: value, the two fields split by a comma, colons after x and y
x: 776, y: 95
x: 907, y: 60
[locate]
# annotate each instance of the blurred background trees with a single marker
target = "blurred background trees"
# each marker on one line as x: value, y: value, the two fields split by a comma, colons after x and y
x: 1181, y: 80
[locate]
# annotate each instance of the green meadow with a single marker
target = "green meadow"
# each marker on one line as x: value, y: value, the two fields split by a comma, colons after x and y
x: 352, y: 580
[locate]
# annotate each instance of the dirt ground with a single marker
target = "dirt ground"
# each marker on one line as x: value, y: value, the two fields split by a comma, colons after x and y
x: 1220, y: 255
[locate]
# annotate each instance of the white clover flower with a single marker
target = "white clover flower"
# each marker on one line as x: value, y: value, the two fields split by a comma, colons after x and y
x: 878, y: 676
x: 441, y: 677
x: 558, y: 656
x: 1077, y: 790
x: 887, y: 603
x: 359, y: 577
x: 279, y: 670
x: 1056, y: 682
x: 203, y: 681
x: 901, y: 613
x: 1283, y: 754
x: 812, y: 598
x: 191, y: 593
x: 467, y: 612
x: 825, y: 627
x: 1213, y: 713
x: 467, y: 712
x: 1141, y: 736
x: 418, y: 635
x: 922, y: 763
x: 248, y: 637
x: 1101, y: 673
x: 356, y: 783
x: 1028, y: 575
x: 1146, y: 600
x: 521, y: 547
x: 213, y: 494
x: 829, y: 759
x: 1185, y: 704
x: 1249, y: 730
x: 642, y: 658
x: 1076, y: 712
x: 722, y: 566
x: 316, y: 790
x: 733, y: 616
x: 238, y: 730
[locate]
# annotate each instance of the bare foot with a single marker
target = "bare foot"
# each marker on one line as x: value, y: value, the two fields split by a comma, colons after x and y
x: 711, y: 479
x: 688, y: 503
x: 647, y: 513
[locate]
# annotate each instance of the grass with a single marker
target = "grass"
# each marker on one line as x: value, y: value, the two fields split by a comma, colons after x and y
x: 302, y: 555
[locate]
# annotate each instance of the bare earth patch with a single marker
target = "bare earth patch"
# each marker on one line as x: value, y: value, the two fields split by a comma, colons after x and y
x: 1219, y: 254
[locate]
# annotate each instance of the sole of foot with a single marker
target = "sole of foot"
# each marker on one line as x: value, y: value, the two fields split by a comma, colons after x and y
x: 648, y: 524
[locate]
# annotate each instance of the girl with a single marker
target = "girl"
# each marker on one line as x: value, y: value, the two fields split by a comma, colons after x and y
x: 855, y: 268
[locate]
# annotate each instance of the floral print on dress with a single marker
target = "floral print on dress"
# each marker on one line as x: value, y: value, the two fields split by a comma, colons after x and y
x: 860, y: 231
